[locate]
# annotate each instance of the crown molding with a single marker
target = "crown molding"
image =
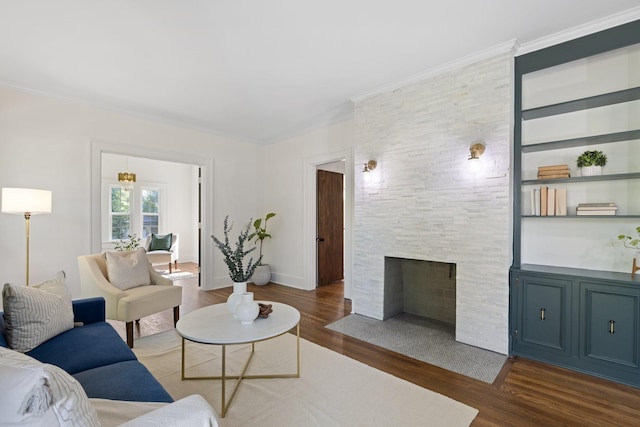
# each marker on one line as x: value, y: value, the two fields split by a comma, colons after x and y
x: 580, y: 31
x: 505, y: 47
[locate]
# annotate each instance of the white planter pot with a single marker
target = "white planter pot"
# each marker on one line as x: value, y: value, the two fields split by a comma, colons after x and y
x: 262, y: 275
x: 591, y: 170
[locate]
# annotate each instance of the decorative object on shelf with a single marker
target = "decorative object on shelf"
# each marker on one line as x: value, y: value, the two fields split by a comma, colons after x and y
x: 591, y: 163
x: 130, y: 243
x: 632, y: 243
x: 265, y: 310
x: 236, y: 296
x: 234, y: 258
x: 553, y: 172
x: 27, y: 202
x: 262, y: 275
x: 248, y: 310
x: 370, y: 166
x: 476, y: 150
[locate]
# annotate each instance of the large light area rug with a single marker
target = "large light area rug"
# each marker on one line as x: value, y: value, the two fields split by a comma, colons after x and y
x: 333, y: 390
x: 425, y: 340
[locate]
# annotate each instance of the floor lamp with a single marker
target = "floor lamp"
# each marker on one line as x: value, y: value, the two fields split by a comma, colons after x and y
x: 27, y: 202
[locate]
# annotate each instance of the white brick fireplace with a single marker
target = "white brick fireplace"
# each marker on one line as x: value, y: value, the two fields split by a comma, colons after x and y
x: 426, y: 201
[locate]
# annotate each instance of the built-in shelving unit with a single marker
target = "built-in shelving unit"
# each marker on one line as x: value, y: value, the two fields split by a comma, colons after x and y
x: 583, y: 319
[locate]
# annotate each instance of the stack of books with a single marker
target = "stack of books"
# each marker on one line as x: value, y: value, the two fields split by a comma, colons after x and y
x: 596, y: 209
x: 553, y: 172
x: 547, y: 201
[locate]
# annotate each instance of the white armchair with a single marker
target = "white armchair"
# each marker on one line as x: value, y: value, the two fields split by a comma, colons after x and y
x: 163, y: 256
x: 131, y: 304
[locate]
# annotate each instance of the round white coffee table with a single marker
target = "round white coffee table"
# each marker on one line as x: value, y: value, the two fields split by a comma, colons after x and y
x: 215, y: 325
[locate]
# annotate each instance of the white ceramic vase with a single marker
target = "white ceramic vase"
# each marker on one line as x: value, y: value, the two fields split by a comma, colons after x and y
x: 235, y: 298
x: 248, y: 310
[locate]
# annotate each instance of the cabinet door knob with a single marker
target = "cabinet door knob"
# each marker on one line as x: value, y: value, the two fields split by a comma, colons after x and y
x: 542, y: 313
x: 612, y: 326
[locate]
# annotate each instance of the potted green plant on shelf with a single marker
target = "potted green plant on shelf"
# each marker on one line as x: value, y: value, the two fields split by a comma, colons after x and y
x: 234, y: 258
x: 262, y: 275
x: 632, y: 242
x: 591, y: 163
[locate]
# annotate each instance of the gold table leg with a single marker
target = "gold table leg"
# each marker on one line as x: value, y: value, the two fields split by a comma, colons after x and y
x: 242, y: 376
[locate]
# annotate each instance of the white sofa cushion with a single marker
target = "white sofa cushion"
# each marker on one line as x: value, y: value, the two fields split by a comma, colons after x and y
x: 39, y: 394
x: 126, y: 270
x: 34, y: 314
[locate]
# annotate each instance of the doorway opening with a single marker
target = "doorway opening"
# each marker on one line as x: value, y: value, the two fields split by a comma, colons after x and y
x: 330, y: 220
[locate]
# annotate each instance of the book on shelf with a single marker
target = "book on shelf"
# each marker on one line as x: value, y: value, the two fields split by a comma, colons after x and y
x: 553, y: 168
x: 551, y: 201
x: 610, y: 212
x: 553, y: 172
x: 544, y: 198
x: 597, y: 208
x: 561, y: 201
x: 596, y: 205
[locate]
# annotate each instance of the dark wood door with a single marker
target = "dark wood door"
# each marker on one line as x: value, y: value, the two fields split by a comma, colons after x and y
x: 330, y: 227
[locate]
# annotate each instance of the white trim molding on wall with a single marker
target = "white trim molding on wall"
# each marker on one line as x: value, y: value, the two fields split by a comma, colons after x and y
x: 309, y: 221
x: 98, y: 147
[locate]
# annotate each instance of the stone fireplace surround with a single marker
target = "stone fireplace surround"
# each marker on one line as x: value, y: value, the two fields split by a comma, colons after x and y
x: 426, y: 201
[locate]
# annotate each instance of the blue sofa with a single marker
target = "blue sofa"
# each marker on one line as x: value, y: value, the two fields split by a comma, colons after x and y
x: 98, y: 357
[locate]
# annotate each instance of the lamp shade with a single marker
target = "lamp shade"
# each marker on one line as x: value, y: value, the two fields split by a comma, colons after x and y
x: 21, y: 200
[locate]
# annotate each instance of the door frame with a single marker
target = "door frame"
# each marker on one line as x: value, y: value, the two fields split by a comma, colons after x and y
x: 206, y: 164
x: 310, y: 252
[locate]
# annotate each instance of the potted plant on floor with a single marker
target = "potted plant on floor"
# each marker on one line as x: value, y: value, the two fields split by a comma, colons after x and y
x: 234, y: 258
x: 262, y: 275
x: 591, y: 163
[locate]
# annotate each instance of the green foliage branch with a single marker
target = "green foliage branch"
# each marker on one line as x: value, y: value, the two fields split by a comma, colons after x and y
x: 629, y: 241
x: 130, y: 243
x: 260, y: 232
x: 234, y: 257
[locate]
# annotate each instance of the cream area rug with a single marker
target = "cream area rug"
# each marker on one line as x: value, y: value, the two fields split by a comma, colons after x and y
x: 333, y: 390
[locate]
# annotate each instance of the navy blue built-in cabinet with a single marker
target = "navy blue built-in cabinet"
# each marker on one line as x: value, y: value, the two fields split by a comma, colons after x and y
x: 582, y: 319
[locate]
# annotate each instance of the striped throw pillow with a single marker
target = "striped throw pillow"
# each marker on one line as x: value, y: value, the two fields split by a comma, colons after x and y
x: 34, y: 314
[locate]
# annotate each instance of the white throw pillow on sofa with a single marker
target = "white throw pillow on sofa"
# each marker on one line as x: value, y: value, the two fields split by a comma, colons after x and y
x: 38, y: 394
x: 126, y: 270
x: 34, y: 314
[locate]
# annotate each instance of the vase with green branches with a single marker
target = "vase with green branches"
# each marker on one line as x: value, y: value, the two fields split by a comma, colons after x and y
x: 234, y: 257
x: 262, y: 274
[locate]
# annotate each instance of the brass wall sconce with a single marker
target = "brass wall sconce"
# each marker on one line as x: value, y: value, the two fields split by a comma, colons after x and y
x: 476, y: 151
x: 370, y: 165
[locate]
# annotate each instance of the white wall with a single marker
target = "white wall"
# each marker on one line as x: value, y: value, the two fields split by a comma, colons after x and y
x: 426, y: 201
x: 289, y: 190
x: 46, y: 142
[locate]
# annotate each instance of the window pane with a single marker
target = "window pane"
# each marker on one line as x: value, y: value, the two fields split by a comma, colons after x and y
x: 149, y: 225
x: 150, y: 201
x: 120, y: 226
x: 120, y: 200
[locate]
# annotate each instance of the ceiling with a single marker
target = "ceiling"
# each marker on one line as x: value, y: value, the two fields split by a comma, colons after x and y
x: 256, y: 70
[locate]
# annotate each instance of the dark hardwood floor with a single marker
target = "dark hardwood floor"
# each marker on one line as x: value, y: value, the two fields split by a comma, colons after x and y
x: 526, y: 393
